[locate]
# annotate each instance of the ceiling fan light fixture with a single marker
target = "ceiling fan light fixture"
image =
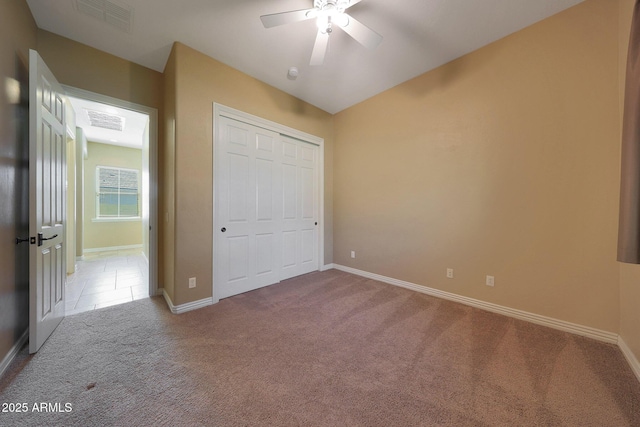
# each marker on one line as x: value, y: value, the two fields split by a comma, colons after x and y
x: 341, y: 19
x: 323, y: 22
x: 330, y: 15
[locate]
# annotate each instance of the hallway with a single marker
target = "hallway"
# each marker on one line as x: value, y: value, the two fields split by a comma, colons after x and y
x: 107, y: 278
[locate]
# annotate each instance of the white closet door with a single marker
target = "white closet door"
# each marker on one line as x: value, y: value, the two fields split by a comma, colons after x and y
x: 299, y: 207
x: 248, y: 207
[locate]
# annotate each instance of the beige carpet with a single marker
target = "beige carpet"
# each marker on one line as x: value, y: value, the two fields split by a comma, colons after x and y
x: 324, y: 349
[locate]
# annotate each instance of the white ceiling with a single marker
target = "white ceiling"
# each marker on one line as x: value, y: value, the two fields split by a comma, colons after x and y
x: 419, y: 35
x: 133, y: 130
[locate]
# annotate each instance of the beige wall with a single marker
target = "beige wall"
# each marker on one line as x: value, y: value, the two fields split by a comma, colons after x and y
x: 629, y: 273
x: 113, y: 233
x: 17, y: 36
x: 504, y: 162
x: 81, y: 143
x: 630, y: 307
x: 71, y: 204
x: 84, y: 67
x: 200, y: 81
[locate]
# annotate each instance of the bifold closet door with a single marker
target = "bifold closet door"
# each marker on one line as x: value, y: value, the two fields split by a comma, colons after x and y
x: 249, y: 208
x: 266, y: 207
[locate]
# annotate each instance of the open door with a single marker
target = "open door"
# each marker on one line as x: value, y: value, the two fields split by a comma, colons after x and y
x: 47, y: 209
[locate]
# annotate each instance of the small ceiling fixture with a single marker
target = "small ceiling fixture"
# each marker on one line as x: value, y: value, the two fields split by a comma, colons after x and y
x: 292, y: 74
x: 328, y: 13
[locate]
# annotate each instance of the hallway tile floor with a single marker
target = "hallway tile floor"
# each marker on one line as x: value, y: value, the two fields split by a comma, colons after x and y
x: 107, y: 278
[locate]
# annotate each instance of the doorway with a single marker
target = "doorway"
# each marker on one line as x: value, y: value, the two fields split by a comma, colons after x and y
x: 111, y: 174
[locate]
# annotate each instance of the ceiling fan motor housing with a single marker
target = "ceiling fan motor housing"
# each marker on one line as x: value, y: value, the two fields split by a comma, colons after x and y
x: 336, y: 6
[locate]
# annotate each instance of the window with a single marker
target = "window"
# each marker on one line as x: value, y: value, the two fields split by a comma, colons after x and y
x: 117, y: 193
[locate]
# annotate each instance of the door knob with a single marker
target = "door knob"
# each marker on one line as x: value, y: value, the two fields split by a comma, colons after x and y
x: 19, y: 240
x: 223, y: 229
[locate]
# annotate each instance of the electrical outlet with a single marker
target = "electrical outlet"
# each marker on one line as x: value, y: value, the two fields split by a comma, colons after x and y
x: 450, y: 273
x: 353, y: 254
x: 490, y: 280
x: 192, y: 282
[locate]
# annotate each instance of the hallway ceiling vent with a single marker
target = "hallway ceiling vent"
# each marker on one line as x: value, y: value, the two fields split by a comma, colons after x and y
x: 103, y: 120
x: 117, y: 15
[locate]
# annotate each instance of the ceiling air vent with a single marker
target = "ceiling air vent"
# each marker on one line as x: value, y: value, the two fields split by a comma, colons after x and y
x: 106, y: 121
x: 117, y: 15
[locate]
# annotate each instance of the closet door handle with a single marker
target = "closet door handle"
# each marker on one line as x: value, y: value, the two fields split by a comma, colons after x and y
x: 223, y: 229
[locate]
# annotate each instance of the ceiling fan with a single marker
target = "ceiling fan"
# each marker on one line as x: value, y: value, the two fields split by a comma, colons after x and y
x: 328, y: 14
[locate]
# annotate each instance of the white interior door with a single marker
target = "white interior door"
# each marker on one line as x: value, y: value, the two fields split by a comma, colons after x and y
x: 47, y: 142
x: 300, y: 207
x: 248, y: 208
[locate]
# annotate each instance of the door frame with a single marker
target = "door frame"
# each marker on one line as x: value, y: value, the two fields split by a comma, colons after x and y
x: 220, y: 110
x: 153, y: 169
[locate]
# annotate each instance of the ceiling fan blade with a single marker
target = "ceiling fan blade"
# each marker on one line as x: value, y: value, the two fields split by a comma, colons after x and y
x: 363, y: 34
x: 352, y: 2
x: 275, y: 19
x: 319, y: 48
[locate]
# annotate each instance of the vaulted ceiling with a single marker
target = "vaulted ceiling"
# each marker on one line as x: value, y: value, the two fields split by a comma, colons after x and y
x: 419, y: 35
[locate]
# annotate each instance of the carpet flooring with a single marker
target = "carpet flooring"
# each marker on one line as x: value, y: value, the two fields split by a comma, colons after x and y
x: 324, y: 349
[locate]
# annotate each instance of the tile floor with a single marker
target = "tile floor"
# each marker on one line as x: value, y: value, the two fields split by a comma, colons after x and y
x: 107, y: 278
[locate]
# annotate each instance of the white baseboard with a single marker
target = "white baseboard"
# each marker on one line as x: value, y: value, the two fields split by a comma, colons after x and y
x: 183, y: 308
x: 562, y: 325
x: 631, y: 358
x: 112, y: 248
x: 327, y: 267
x: 13, y: 352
